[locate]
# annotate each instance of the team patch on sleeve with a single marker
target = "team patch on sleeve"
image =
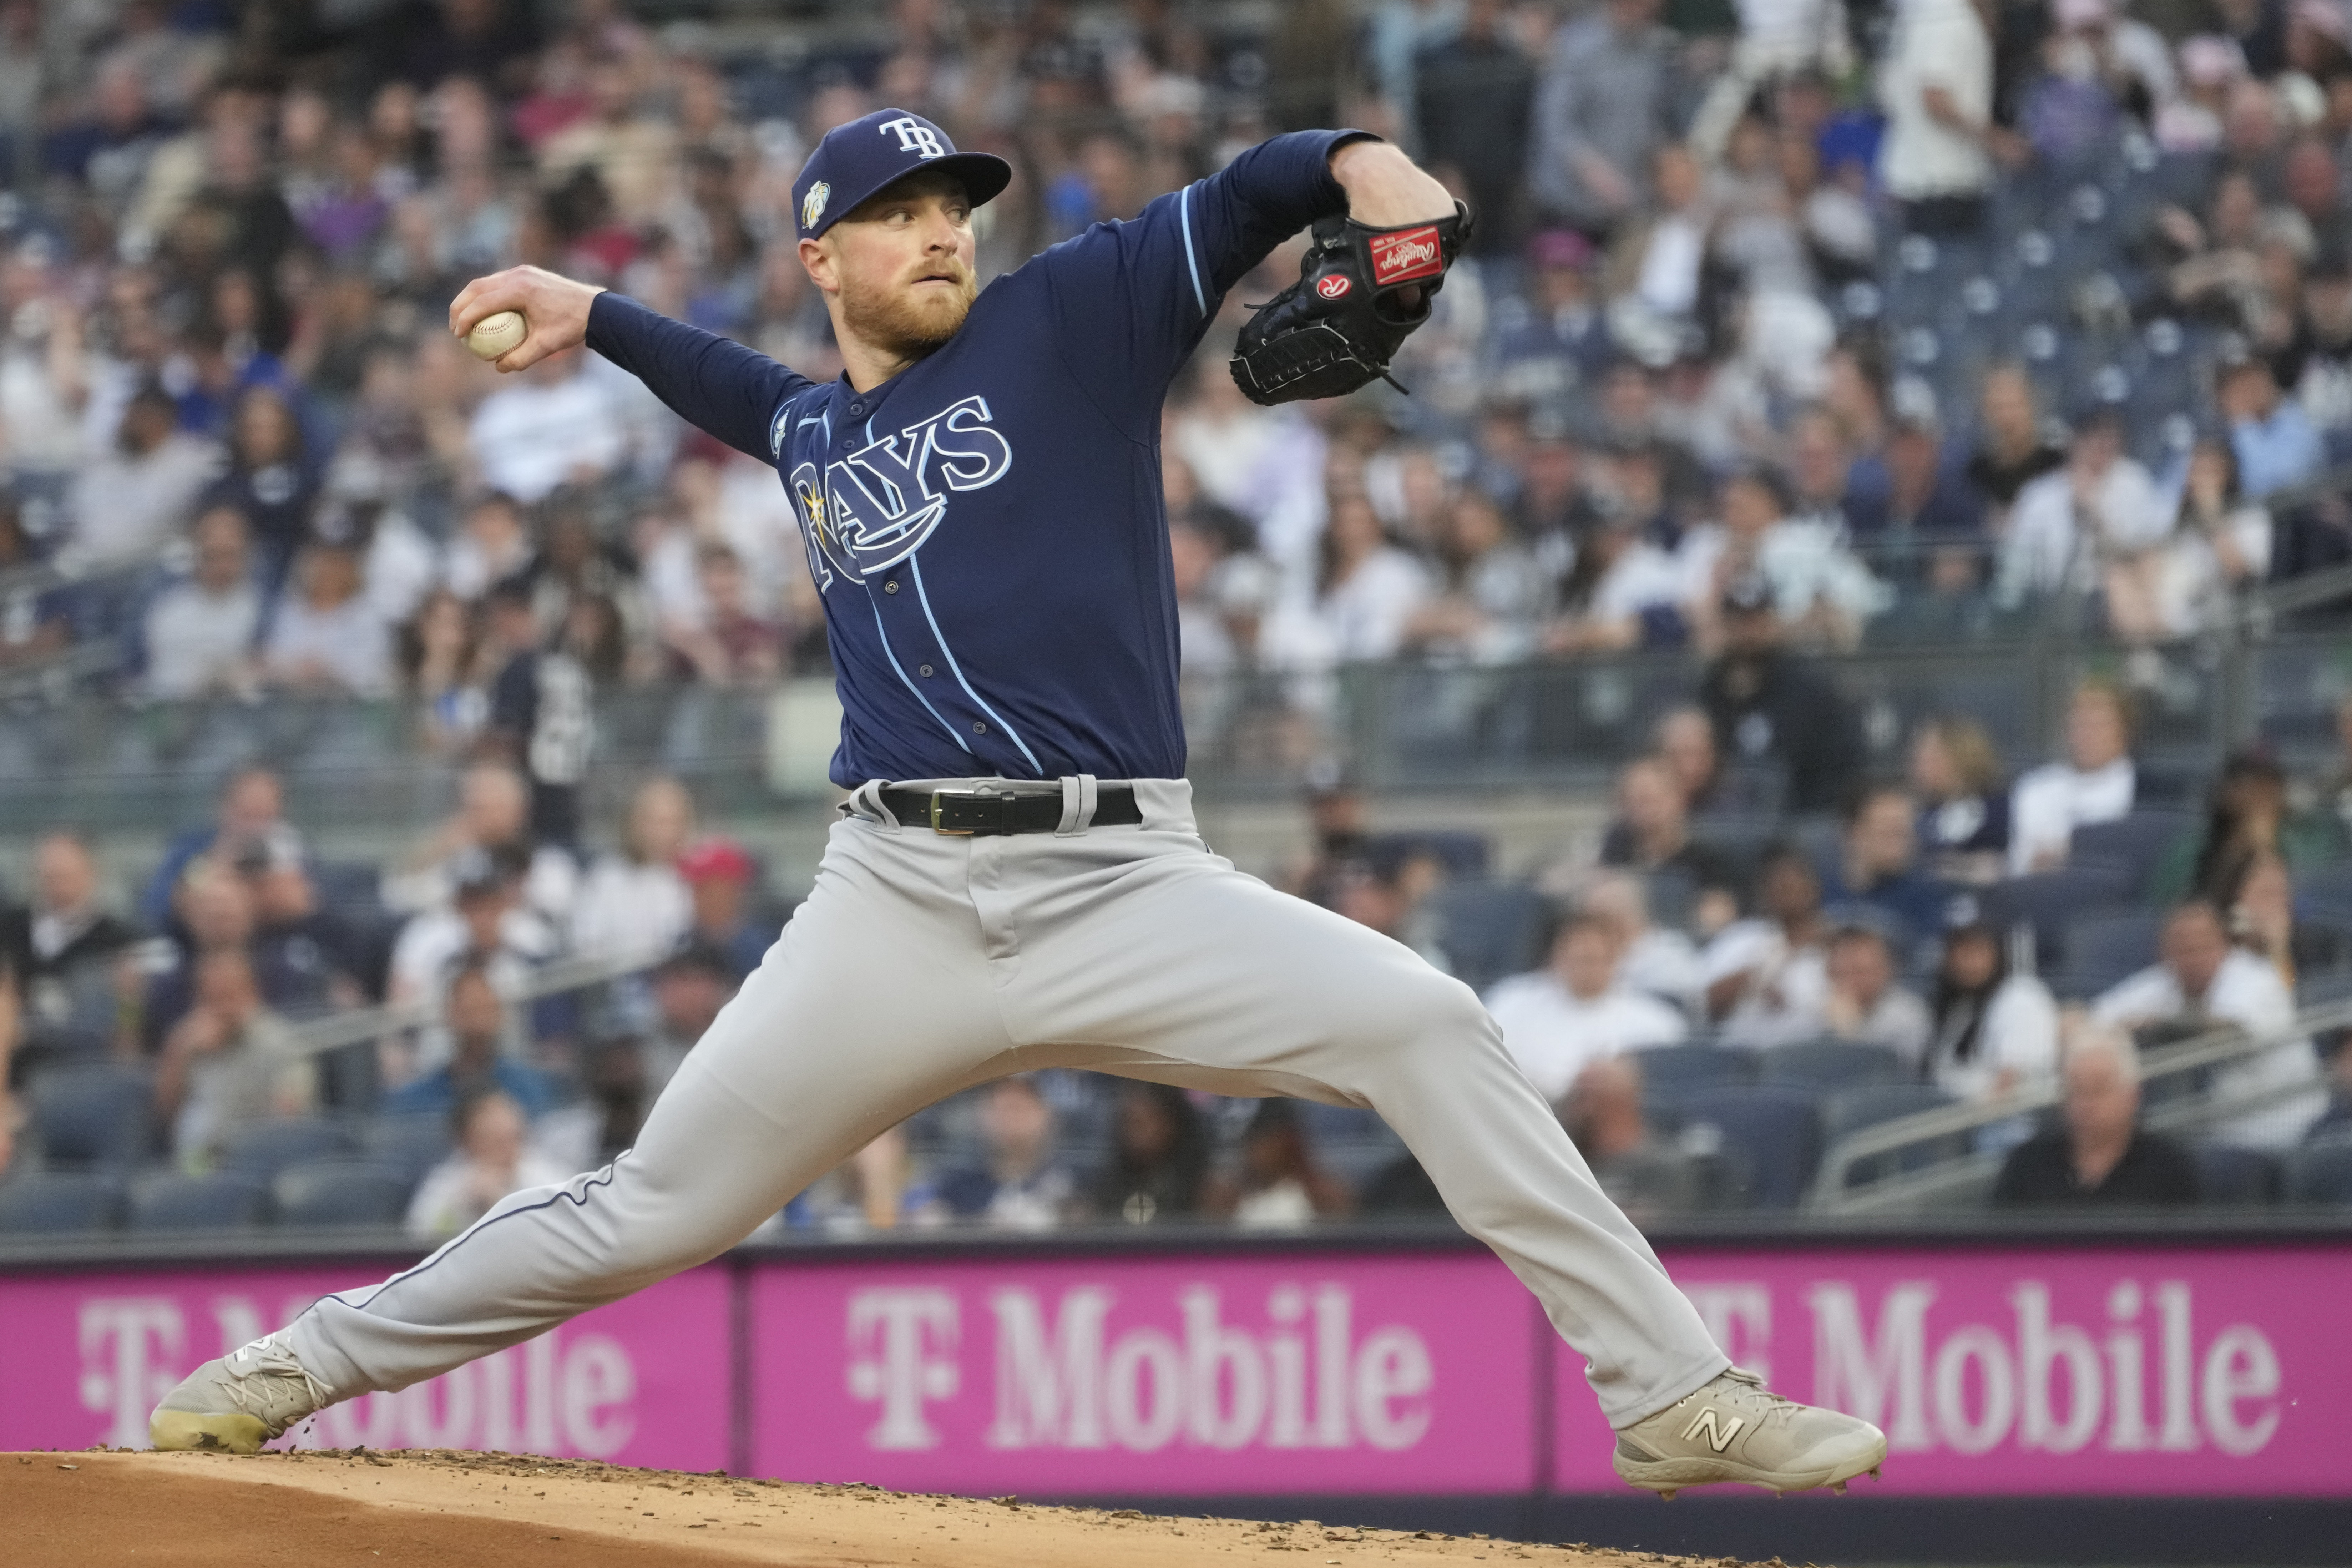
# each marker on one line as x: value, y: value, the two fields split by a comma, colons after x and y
x: 1406, y: 254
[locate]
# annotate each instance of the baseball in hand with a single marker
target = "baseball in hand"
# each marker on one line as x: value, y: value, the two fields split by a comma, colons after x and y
x: 494, y: 336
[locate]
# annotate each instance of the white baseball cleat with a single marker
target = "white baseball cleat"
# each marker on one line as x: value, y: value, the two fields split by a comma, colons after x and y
x: 1735, y: 1429
x: 238, y: 1401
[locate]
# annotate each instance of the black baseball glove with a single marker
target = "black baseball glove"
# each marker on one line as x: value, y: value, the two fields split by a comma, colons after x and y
x: 1336, y: 328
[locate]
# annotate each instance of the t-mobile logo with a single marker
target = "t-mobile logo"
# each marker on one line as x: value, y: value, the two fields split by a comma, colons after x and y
x: 915, y: 137
x: 902, y: 1344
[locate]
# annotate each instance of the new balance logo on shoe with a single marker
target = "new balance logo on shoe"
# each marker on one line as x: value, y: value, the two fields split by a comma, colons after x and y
x: 1718, y: 1435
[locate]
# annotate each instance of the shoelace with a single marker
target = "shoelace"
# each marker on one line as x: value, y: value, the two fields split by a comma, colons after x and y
x: 269, y: 1358
x: 1776, y: 1407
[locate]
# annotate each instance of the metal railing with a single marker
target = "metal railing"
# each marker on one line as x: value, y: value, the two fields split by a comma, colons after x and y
x: 316, y: 1036
x: 1965, y: 1175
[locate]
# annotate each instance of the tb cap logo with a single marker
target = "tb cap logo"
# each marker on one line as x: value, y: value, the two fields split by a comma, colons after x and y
x: 915, y: 137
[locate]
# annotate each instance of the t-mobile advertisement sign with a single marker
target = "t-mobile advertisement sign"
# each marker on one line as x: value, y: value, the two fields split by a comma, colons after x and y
x: 2155, y: 1372
x: 1194, y: 1376
x: 84, y: 1357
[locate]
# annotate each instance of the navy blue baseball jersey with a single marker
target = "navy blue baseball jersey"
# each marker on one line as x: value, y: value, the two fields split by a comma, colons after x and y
x: 986, y: 527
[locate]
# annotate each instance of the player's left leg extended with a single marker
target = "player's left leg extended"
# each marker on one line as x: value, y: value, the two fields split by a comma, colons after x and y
x: 1172, y: 966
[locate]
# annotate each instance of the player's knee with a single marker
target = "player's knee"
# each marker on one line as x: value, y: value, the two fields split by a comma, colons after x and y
x: 1433, y: 1014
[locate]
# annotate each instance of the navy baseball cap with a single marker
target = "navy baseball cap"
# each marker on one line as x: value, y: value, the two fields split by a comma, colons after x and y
x: 856, y: 159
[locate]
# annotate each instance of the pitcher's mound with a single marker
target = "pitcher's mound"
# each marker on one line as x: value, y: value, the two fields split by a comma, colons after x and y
x: 441, y: 1510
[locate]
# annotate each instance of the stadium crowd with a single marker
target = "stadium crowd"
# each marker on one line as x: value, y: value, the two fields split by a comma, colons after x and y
x: 1799, y: 328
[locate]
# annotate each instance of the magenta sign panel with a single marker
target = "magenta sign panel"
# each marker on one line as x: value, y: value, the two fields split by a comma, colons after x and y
x: 1172, y: 1376
x: 84, y: 1357
x: 2095, y: 1371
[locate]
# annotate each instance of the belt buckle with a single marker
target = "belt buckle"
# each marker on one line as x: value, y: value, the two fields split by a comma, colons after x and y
x: 938, y: 820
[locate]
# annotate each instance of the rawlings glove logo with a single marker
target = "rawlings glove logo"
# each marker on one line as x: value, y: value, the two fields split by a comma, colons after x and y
x: 1408, y: 254
x: 1334, y: 286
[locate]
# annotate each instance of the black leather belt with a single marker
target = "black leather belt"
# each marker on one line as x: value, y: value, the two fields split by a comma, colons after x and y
x: 982, y: 814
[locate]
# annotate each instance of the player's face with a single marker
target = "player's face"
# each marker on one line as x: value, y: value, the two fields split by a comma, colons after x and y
x: 901, y: 265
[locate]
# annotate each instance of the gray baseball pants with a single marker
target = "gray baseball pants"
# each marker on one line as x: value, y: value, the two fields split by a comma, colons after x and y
x: 922, y: 964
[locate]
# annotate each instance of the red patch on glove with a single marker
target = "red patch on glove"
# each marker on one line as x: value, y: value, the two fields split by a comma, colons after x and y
x: 1408, y: 254
x: 1333, y: 286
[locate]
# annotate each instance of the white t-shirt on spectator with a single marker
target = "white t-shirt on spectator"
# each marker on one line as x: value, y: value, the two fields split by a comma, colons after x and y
x: 2047, y: 804
x: 1553, y: 1034
x: 532, y: 437
x: 1801, y: 560
x: 1899, y: 1021
x: 197, y: 640
x: 349, y: 641
x: 2050, y: 547
x: 1782, y: 1002
x: 2246, y: 991
x: 625, y: 908
x: 1936, y: 43
x: 444, y: 1202
x: 123, y: 507
x: 1665, y: 964
x: 1643, y: 578
x: 1361, y: 618
x: 2019, y: 1033
x: 430, y: 945
x: 401, y: 567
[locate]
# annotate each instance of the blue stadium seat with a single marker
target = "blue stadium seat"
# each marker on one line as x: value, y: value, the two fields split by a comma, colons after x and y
x: 219, y: 1200
x: 2103, y: 949
x: 96, y: 1115
x: 263, y: 1149
x: 58, y: 1202
x: 1489, y: 930
x: 342, y: 1193
x: 2229, y: 1177
x: 2132, y: 845
x: 1695, y: 1065
x: 1854, y: 1110
x: 1826, y: 1065
x: 2320, y: 1172
x: 1773, y: 1132
x: 416, y: 1141
x: 2046, y: 900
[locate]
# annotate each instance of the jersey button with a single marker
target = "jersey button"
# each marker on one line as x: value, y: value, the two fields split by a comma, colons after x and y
x: 923, y: 670
x: 891, y: 586
x: 979, y: 729
x: 858, y: 409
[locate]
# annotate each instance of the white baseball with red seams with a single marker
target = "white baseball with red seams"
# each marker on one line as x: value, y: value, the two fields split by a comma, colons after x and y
x: 495, y: 337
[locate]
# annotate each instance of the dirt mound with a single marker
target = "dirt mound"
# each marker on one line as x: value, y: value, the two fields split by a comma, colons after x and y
x: 441, y: 1510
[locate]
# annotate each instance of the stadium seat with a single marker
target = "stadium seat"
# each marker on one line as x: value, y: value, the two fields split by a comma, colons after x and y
x: 219, y: 1200
x: 342, y: 1193
x: 56, y: 1202
x: 1774, y: 1133
x: 2103, y: 948
x: 2046, y: 900
x: 416, y: 1141
x: 2230, y: 1177
x: 262, y: 1149
x: 2132, y: 845
x: 96, y: 1115
x: 1825, y: 1066
x: 2320, y: 1172
x: 1489, y: 930
x: 1854, y: 1110
x: 1681, y: 1069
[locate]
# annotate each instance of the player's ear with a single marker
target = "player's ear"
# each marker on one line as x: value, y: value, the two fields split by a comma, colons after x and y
x: 824, y: 266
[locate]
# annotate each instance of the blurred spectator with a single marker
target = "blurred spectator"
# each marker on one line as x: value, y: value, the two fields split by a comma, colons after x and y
x: 127, y: 504
x: 876, y: 1188
x: 252, y: 810
x: 326, y: 640
x: 1621, y: 592
x: 1560, y: 340
x: 720, y: 877
x: 1915, y: 493
x: 551, y: 424
x: 2097, y: 782
x: 2221, y: 545
x: 1864, y: 1003
x: 729, y: 645
x: 690, y: 988
x: 229, y: 1061
x: 493, y: 1160
x: 1158, y: 1165
x: 2262, y: 918
x: 60, y: 950
x: 1652, y: 833
x: 1472, y: 96
x: 216, y: 912
x: 1020, y: 1183
x: 1279, y: 1185
x: 1577, y: 1009
x: 199, y: 633
x: 1935, y: 82
x: 1685, y: 741
x: 1877, y: 866
x: 1963, y: 827
x: 1768, y: 704
x: 271, y: 481
x: 493, y: 814
x: 1993, y: 1031
x: 2098, y: 522
x: 482, y: 1053
x: 1335, y: 811
x: 1366, y: 593
x: 1645, y: 1176
x: 1767, y: 981
x: 2202, y: 982
x: 1386, y: 892
x: 636, y: 901
x: 2013, y: 450
x: 1657, y: 960
x: 2100, y: 1157
x: 2249, y: 819
x: 540, y: 716
x: 493, y: 545
x: 2271, y: 436
x: 486, y: 920
x: 1608, y: 97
